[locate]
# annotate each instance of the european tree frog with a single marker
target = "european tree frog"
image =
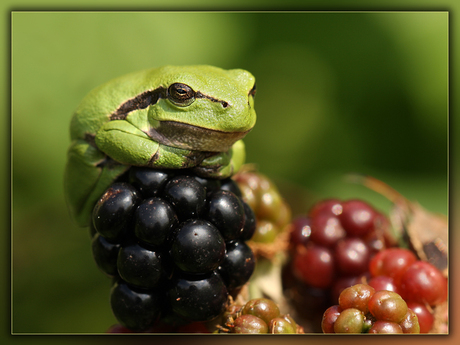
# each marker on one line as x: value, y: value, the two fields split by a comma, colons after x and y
x: 170, y: 118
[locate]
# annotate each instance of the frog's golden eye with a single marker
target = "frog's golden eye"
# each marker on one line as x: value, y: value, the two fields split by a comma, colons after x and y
x: 181, y: 95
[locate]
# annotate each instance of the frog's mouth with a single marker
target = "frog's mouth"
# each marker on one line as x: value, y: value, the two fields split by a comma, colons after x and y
x: 185, y: 136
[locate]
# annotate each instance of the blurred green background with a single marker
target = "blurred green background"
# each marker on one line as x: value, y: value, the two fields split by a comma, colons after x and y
x: 337, y: 93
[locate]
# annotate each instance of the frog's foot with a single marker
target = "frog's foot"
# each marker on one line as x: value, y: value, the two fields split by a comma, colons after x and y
x: 224, y: 164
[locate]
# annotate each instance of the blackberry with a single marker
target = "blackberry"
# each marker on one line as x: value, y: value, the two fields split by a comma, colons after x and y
x: 174, y: 244
x: 250, y: 223
x: 231, y: 186
x: 135, y: 309
x: 113, y: 212
x: 187, y: 195
x: 147, y: 181
x: 226, y: 211
x: 198, y: 297
x: 237, y: 265
x: 197, y: 247
x: 140, y: 266
x: 154, y: 221
x: 105, y: 254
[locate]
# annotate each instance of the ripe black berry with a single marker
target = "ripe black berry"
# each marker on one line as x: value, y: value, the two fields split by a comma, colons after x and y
x: 238, y: 264
x: 105, y: 254
x: 148, y: 181
x: 197, y: 247
x: 154, y: 220
x: 135, y: 309
x: 187, y: 195
x: 226, y: 212
x: 211, y: 185
x: 198, y: 297
x: 250, y: 223
x: 140, y: 266
x: 231, y: 186
x: 113, y: 212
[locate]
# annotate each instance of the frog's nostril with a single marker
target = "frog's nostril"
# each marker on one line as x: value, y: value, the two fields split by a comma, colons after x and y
x: 225, y: 104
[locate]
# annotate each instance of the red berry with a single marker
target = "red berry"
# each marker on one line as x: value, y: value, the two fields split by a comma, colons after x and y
x: 315, y: 266
x: 301, y: 231
x: 329, y: 317
x: 331, y: 207
x: 326, y: 230
x: 422, y: 282
x: 375, y: 242
x: 357, y: 217
x: 425, y: 317
x: 392, y: 262
x: 352, y: 256
x: 384, y: 283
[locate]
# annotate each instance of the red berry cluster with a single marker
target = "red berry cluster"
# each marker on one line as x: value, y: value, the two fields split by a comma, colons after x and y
x: 420, y: 283
x: 333, y: 244
x: 362, y: 309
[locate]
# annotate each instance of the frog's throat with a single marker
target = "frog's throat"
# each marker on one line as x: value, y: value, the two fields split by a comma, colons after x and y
x: 185, y: 136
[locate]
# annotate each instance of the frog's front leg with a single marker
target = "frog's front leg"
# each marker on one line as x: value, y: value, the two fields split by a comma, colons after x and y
x: 88, y: 173
x: 224, y: 164
x: 125, y: 143
x: 128, y: 145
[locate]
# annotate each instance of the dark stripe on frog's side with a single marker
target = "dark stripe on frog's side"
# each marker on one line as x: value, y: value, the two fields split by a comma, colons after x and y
x: 151, y: 97
x: 141, y: 101
x: 198, y: 94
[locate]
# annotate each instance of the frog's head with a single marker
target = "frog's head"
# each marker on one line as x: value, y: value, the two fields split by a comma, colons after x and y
x: 201, y: 108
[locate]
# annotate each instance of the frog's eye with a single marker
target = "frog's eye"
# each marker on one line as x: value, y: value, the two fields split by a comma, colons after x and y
x: 181, y: 95
x: 252, y: 92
